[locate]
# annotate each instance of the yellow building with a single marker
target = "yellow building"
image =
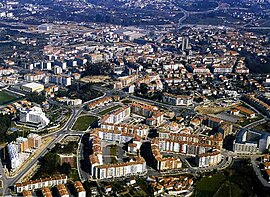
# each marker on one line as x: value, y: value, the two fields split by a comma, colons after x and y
x: 32, y: 87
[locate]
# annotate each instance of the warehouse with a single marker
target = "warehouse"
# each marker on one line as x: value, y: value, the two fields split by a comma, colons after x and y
x: 32, y: 87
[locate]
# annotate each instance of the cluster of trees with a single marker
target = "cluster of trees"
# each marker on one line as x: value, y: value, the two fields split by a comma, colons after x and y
x: 71, y: 147
x: 98, y: 69
x: 36, y: 97
x: 50, y: 163
x: 81, y: 91
x: 5, y: 123
x: 143, y: 91
x: 201, y: 6
x: 50, y: 166
x: 255, y: 63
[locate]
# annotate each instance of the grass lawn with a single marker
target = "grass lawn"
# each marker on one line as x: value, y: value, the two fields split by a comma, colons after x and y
x: 6, y: 98
x: 229, y: 189
x: 208, y: 186
x: 113, y: 150
x: 263, y: 127
x: 84, y: 122
x: 109, y: 109
x: 248, y: 121
x: 74, y: 175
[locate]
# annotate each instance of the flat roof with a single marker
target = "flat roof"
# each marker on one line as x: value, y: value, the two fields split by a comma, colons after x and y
x: 33, y: 85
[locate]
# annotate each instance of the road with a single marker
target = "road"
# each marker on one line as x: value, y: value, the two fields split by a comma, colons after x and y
x: 66, y: 130
x: 58, y: 135
x: 258, y: 173
x: 84, y: 176
x: 188, y: 13
x: 227, y: 156
x: 176, y: 109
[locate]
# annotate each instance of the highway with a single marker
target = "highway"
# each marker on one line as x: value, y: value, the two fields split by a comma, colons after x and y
x: 188, y: 13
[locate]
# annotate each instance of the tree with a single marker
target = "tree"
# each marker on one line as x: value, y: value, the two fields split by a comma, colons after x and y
x: 65, y: 168
x: 143, y: 88
x: 50, y: 164
x: 82, y: 91
x: 36, y: 97
x: 63, y: 93
x: 5, y: 123
x: 98, y: 69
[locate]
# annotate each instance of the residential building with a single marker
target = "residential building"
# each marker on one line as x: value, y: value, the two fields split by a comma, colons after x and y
x: 22, y: 144
x: 80, y: 189
x: 68, y: 158
x: 163, y: 163
x: 154, y: 117
x: 27, y: 193
x: 62, y: 190
x: 46, y: 192
x: 68, y: 101
x: 208, y: 159
x: 182, y: 100
x: 135, y: 166
x: 117, y: 116
x: 14, y: 156
x: 40, y: 183
x: 251, y: 141
x: 34, y: 140
x: 60, y: 80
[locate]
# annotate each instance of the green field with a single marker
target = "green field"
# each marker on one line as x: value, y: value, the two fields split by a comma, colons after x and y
x: 236, y: 181
x: 229, y: 189
x: 83, y: 123
x: 6, y: 98
x: 249, y: 121
x: 208, y: 186
x: 109, y: 109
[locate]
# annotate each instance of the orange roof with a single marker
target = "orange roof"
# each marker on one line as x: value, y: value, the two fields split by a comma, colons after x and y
x: 244, y: 110
x: 78, y: 186
x: 27, y: 193
x: 268, y: 172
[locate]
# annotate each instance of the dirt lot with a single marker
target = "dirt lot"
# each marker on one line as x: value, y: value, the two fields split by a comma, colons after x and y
x: 95, y: 79
x: 210, y: 109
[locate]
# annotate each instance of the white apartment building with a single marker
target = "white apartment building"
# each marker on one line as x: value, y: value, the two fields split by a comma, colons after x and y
x: 40, y: 183
x: 177, y: 99
x: 117, y: 116
x: 172, y: 66
x: 141, y: 131
x: 116, y: 136
x: 60, y: 80
x: 13, y: 156
x: 6, y: 71
x: 245, y: 147
x: 208, y: 159
x: 34, y: 115
x: 69, y: 101
x: 34, y: 76
x: 134, y: 167
x: 222, y: 69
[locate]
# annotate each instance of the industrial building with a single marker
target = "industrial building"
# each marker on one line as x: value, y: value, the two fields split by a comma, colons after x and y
x: 32, y: 87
